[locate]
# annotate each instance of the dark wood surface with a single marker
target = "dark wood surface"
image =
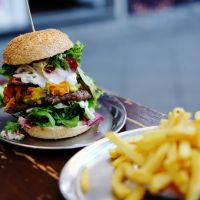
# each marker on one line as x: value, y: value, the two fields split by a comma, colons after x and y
x: 33, y: 174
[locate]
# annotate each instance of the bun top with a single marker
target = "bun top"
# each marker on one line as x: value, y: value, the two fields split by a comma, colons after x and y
x: 34, y: 46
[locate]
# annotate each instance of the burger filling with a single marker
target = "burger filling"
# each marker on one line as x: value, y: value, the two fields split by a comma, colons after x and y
x: 51, y: 92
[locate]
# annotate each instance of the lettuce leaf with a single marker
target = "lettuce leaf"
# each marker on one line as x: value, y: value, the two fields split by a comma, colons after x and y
x: 59, y: 61
x: 42, y: 117
x: 7, y: 71
x: 93, y: 102
x: 11, y: 126
x: 67, y: 116
x: 88, y: 81
x: 68, y: 123
x: 75, y: 52
x: 1, y: 95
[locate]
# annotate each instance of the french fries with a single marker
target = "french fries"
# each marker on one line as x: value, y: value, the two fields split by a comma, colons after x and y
x: 137, y: 194
x: 165, y: 158
x: 84, y: 180
x: 194, y: 185
x: 119, y: 189
x: 131, y: 154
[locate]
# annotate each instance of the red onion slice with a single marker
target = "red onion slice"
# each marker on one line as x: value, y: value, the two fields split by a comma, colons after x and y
x: 24, y: 123
x: 98, y: 118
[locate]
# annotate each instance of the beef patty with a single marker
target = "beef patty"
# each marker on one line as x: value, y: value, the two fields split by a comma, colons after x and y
x: 51, y: 100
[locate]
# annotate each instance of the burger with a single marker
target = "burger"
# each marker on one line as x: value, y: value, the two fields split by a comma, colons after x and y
x: 47, y: 90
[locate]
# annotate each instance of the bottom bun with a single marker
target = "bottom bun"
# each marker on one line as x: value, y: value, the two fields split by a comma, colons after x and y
x: 56, y: 132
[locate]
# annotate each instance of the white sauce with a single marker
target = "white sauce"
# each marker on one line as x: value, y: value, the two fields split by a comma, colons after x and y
x: 28, y: 74
x: 60, y: 106
x: 59, y: 75
x: 12, y: 135
x: 35, y: 78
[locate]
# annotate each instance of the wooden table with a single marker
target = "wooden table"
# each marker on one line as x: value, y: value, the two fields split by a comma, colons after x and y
x: 27, y: 174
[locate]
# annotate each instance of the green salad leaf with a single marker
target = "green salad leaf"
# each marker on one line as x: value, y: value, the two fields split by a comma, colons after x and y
x: 93, y: 102
x: 59, y: 61
x: 1, y: 94
x: 75, y: 52
x: 68, y: 112
x: 7, y: 71
x: 11, y: 126
x: 67, y: 115
x: 88, y: 81
x: 68, y: 123
x: 88, y: 113
x: 42, y: 116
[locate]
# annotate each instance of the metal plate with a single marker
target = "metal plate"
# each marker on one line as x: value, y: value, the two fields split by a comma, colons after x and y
x: 114, y: 119
x: 96, y: 159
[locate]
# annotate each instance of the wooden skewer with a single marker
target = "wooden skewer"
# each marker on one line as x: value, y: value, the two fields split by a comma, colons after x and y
x: 30, y: 16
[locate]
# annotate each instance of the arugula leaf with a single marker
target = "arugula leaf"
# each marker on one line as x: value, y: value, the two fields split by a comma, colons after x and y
x: 7, y: 71
x: 68, y: 123
x: 68, y: 112
x: 11, y: 126
x: 42, y: 116
x: 55, y: 61
x: 75, y: 52
x: 59, y: 61
x: 50, y: 116
x: 65, y: 64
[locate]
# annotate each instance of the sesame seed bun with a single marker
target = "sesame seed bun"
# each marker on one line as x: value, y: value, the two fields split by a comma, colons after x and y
x: 35, y: 46
x: 56, y: 132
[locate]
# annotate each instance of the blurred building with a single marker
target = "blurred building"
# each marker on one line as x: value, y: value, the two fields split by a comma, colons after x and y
x: 13, y: 13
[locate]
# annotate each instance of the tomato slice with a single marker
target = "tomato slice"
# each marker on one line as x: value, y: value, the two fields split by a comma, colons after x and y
x: 9, y: 92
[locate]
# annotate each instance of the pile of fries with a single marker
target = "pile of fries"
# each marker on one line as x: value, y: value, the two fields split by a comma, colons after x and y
x: 166, y: 158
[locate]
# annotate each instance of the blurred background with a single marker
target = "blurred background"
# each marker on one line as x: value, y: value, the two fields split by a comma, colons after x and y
x: 146, y: 50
